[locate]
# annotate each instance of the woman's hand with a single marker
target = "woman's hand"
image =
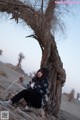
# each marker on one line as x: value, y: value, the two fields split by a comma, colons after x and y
x: 32, y: 84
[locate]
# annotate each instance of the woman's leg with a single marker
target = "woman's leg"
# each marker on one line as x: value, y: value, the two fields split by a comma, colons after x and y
x: 23, y: 94
x: 31, y: 97
x: 35, y: 99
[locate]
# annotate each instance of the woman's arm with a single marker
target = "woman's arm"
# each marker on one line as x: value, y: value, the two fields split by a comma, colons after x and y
x: 41, y: 87
x: 21, y: 81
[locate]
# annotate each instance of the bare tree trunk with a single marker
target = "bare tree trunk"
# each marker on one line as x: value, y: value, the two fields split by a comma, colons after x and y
x: 41, y: 24
x: 51, y: 60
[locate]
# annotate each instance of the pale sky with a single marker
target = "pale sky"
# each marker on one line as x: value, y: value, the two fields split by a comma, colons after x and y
x: 13, y: 41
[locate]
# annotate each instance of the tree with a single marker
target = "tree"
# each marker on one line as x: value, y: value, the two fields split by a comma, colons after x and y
x: 41, y: 16
x: 71, y: 95
x: 78, y: 96
x: 1, y: 52
x: 21, y: 56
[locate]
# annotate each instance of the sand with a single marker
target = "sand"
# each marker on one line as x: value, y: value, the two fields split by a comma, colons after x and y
x: 68, y: 110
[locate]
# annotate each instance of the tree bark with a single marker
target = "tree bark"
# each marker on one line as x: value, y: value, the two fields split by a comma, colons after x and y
x: 41, y: 25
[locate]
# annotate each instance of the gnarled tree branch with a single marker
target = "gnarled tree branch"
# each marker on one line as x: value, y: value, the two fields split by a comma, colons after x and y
x: 20, y: 10
x: 49, y: 13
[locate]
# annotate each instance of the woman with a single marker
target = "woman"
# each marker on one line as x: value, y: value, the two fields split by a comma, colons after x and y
x: 35, y: 91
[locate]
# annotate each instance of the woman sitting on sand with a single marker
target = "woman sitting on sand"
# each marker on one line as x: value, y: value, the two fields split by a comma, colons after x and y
x: 35, y: 91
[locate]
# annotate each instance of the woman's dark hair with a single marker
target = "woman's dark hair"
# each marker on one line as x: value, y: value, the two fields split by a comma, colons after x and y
x: 44, y: 71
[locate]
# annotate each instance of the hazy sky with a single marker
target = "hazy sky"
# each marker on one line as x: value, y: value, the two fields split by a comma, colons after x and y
x: 13, y: 41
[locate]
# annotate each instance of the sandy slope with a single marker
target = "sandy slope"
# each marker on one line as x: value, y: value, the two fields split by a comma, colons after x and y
x: 72, y: 107
x: 69, y: 111
x: 12, y: 76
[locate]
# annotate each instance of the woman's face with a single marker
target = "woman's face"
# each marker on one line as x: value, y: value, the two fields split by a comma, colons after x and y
x: 39, y: 74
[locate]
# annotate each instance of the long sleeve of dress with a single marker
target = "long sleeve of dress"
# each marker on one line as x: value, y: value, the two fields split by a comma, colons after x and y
x: 41, y: 87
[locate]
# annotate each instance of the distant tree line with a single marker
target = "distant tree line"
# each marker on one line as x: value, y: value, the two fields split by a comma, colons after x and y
x: 20, y: 58
x: 71, y: 95
x: 1, y: 51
